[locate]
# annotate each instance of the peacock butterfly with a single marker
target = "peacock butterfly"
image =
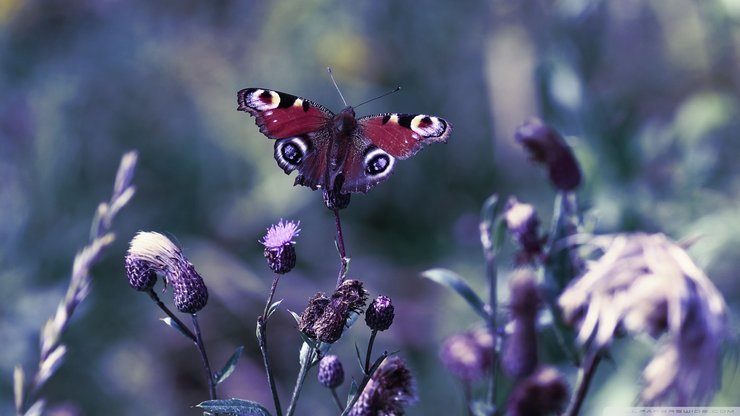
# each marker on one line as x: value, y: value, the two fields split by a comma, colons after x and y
x: 338, y: 152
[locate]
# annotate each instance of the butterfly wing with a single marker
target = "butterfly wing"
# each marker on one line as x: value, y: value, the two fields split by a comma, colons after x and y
x: 381, y: 139
x: 402, y: 135
x: 300, y: 127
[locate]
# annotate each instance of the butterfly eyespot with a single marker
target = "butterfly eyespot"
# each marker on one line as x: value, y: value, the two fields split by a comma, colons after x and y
x: 289, y: 153
x: 378, y: 163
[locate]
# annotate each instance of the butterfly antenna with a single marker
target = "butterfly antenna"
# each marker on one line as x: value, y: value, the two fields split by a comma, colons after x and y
x: 336, y: 86
x: 380, y: 96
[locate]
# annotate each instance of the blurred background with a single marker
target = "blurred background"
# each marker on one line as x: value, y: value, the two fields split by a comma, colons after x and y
x: 646, y: 93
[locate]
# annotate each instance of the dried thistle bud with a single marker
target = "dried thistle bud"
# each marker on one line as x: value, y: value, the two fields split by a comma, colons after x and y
x: 546, y: 146
x: 336, y: 200
x: 280, y: 247
x: 191, y: 294
x: 155, y: 252
x: 331, y: 373
x: 390, y: 389
x: 312, y: 313
x: 543, y: 393
x: 141, y: 276
x: 465, y: 356
x: 523, y: 224
x: 520, y: 347
x: 379, y: 315
x: 325, y: 319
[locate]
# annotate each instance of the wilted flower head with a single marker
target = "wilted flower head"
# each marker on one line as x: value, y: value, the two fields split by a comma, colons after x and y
x: 468, y: 355
x: 547, y: 146
x: 379, y: 315
x: 325, y: 318
x: 331, y: 372
x: 280, y: 247
x: 390, y: 389
x: 523, y: 224
x: 543, y: 393
x: 151, y: 253
x: 646, y: 283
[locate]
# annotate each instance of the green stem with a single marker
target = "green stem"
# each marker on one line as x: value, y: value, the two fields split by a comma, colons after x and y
x: 302, y: 373
x: 585, y: 376
x: 369, y: 351
x: 204, y: 357
x: 262, y: 340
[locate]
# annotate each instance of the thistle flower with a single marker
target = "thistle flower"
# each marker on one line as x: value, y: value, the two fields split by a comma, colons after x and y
x: 546, y: 146
x: 280, y: 247
x: 379, y: 315
x: 523, y: 224
x: 520, y: 348
x: 468, y: 355
x: 325, y: 319
x: 646, y: 283
x: 543, y: 393
x: 331, y: 372
x: 390, y: 389
x: 151, y: 253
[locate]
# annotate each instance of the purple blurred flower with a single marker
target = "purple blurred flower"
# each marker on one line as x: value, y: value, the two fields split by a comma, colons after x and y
x: 390, y: 389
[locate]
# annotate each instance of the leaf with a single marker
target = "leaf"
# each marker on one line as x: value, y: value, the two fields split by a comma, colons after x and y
x: 234, y: 407
x: 481, y: 408
x: 296, y: 317
x: 174, y: 324
x: 229, y: 367
x: 453, y: 281
x: 273, y: 308
x: 352, y: 392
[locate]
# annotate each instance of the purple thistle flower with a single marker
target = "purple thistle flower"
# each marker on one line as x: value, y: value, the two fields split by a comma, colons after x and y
x: 281, y: 234
x: 390, y: 390
x: 279, y: 246
x: 331, y: 372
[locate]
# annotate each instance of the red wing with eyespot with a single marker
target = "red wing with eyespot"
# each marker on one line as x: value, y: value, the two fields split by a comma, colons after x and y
x: 280, y: 115
x: 402, y: 135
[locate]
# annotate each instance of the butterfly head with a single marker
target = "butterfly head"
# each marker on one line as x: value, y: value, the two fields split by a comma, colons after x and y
x: 345, y: 122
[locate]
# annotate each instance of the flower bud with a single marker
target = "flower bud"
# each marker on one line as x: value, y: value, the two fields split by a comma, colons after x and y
x: 467, y: 355
x: 141, y: 276
x: 523, y: 224
x: 546, y: 146
x: 331, y: 373
x: 379, y: 315
x: 520, y: 347
x: 543, y: 393
x: 191, y: 294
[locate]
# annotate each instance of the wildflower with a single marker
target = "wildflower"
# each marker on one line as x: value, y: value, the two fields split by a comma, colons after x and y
x: 520, y: 347
x: 280, y: 247
x: 379, y: 315
x: 645, y: 283
x: 523, y: 224
x: 546, y: 146
x: 390, y: 389
x: 325, y: 319
x: 151, y: 253
x: 543, y: 393
x: 331, y: 373
x: 468, y: 355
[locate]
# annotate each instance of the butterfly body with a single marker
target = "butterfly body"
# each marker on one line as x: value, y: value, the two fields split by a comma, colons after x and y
x: 337, y: 152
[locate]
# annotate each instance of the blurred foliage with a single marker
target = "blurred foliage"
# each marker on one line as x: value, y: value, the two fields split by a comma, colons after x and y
x: 645, y: 91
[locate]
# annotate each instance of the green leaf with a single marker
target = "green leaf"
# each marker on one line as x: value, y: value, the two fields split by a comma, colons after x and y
x: 273, y: 308
x: 453, y: 281
x: 352, y: 392
x: 171, y: 323
x: 296, y: 317
x: 234, y: 407
x: 229, y: 367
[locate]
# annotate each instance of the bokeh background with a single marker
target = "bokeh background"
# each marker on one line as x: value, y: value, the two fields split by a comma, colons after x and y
x: 646, y: 92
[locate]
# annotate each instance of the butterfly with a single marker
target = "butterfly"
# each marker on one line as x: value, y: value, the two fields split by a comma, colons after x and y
x: 339, y: 152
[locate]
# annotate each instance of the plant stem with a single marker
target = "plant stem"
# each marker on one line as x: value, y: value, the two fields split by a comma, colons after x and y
x: 585, y: 376
x: 262, y: 340
x: 340, y: 246
x: 369, y: 351
x: 204, y: 356
x: 305, y: 365
x: 486, y: 230
x: 186, y: 331
x: 336, y: 399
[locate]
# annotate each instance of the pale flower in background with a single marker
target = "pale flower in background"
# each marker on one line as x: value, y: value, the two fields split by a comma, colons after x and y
x: 646, y: 283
